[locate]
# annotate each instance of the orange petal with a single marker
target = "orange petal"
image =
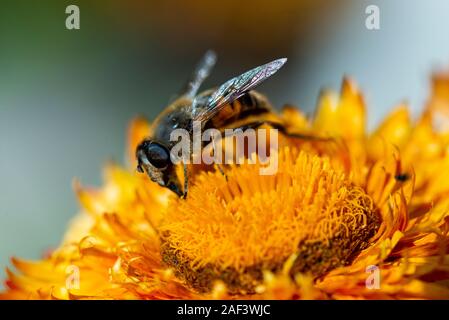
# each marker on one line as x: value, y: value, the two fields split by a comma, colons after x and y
x: 138, y: 130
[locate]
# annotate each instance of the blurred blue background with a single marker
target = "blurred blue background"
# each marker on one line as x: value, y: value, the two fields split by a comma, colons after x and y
x: 66, y: 96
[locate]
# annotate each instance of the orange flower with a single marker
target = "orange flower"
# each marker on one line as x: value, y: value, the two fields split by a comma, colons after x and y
x: 363, y: 216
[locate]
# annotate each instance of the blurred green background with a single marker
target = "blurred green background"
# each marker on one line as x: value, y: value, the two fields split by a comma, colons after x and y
x: 66, y: 96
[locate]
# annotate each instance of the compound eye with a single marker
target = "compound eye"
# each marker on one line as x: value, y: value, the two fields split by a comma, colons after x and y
x: 158, y: 156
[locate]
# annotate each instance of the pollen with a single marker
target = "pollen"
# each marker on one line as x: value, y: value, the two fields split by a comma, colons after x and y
x: 234, y: 227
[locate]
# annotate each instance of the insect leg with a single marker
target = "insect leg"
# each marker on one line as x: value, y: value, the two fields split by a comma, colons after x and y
x: 186, y: 181
x: 212, y: 147
x: 220, y: 168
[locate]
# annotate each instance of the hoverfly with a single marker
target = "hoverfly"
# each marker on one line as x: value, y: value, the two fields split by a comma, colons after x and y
x: 153, y: 153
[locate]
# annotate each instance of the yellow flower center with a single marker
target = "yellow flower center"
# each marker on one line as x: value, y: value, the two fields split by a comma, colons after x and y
x: 233, y: 228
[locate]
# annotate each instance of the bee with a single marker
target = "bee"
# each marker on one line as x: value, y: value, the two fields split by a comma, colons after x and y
x: 233, y: 101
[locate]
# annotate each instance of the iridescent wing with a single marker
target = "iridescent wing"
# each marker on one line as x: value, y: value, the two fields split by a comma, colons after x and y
x: 201, y: 72
x: 233, y: 89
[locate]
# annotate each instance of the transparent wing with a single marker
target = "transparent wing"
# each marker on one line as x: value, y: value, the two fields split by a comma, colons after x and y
x: 201, y: 72
x: 234, y: 88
